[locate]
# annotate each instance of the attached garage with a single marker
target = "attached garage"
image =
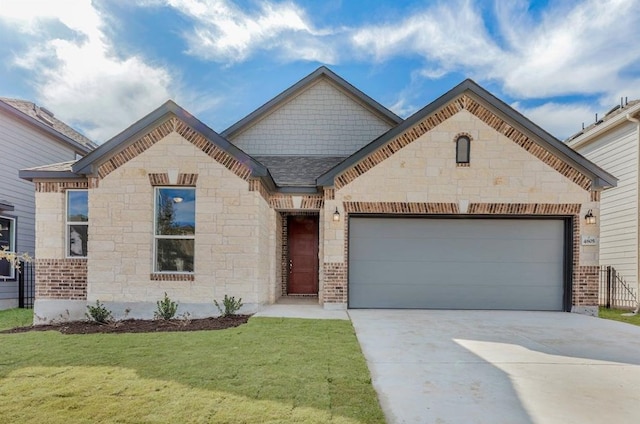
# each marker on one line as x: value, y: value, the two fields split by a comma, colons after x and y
x: 458, y: 263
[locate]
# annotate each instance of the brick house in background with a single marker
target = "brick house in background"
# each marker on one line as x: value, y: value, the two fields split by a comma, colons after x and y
x: 29, y: 136
x: 323, y: 192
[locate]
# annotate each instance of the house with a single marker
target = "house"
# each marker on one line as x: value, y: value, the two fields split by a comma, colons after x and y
x: 612, y: 143
x: 322, y: 192
x: 29, y: 136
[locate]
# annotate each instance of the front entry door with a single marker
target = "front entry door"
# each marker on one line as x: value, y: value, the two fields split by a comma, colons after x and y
x: 302, y: 233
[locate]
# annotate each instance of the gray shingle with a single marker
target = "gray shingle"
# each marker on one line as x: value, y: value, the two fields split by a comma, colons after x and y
x: 298, y: 170
x: 36, y: 112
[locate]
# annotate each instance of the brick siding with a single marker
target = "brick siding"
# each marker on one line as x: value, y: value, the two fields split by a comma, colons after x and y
x: 61, y: 279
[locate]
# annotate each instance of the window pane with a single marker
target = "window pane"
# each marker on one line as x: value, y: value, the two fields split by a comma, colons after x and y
x: 6, y: 241
x: 462, y: 150
x: 5, y: 232
x: 78, y: 240
x: 175, y: 211
x: 77, y: 206
x: 174, y: 255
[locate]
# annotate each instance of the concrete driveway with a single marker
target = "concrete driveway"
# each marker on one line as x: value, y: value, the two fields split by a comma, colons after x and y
x: 501, y: 367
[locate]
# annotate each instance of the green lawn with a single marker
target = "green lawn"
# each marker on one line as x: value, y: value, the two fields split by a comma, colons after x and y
x: 616, y: 315
x: 271, y: 370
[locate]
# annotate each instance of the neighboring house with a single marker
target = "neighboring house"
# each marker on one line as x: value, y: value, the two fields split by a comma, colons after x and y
x: 322, y: 192
x: 29, y: 136
x: 612, y: 143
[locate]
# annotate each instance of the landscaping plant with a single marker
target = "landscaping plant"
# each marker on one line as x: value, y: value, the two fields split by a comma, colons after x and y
x: 231, y: 305
x: 167, y: 308
x: 99, y: 313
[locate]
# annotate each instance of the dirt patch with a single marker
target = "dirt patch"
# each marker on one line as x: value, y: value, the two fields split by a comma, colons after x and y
x: 138, y: 325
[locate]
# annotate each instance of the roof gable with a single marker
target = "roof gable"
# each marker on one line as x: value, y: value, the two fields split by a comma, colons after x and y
x: 321, y: 73
x: 492, y: 111
x: 44, y: 120
x: 143, y: 134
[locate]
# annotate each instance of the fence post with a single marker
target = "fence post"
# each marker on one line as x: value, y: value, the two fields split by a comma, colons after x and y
x: 608, y: 300
x: 21, y: 286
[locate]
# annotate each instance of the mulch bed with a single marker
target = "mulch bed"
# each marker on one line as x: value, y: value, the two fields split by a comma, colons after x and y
x: 138, y: 325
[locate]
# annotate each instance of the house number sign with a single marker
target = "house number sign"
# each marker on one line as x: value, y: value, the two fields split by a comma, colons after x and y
x: 589, y: 240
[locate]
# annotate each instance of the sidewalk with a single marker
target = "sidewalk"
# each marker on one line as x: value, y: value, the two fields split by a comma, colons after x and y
x: 300, y: 310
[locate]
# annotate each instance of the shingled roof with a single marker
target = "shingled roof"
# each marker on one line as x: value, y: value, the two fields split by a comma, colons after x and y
x: 45, y: 119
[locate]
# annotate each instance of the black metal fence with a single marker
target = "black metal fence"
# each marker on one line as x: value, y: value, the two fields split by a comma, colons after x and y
x: 614, y: 291
x: 26, y: 284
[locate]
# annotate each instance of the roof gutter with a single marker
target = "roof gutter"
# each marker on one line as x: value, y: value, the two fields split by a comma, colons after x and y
x: 588, y: 136
x: 50, y: 131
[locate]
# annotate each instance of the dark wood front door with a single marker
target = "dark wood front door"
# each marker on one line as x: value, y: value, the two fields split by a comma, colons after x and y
x: 302, y: 241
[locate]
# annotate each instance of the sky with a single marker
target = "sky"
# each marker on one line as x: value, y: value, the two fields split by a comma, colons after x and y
x: 102, y: 65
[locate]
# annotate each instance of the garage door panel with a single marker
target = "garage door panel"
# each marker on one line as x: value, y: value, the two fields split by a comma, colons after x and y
x: 377, y: 272
x: 443, y: 250
x: 485, y: 264
x: 453, y: 296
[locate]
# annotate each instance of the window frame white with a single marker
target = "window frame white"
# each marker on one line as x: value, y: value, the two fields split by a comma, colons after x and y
x: 68, y: 224
x: 12, y: 245
x: 157, y: 236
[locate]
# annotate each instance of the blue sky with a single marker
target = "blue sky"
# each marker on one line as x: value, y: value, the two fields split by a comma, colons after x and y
x: 102, y: 65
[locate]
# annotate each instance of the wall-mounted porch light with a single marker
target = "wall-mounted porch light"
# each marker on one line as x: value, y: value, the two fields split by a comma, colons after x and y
x: 336, y: 215
x: 589, y: 218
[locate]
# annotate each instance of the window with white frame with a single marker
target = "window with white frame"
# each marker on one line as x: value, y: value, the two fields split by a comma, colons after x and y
x: 8, y: 243
x: 174, y: 229
x: 77, y: 223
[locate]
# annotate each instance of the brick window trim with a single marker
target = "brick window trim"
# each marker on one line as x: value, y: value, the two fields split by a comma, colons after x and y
x: 161, y: 276
x: 162, y: 179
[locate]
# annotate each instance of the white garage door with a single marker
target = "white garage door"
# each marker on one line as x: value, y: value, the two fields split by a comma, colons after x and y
x: 512, y: 264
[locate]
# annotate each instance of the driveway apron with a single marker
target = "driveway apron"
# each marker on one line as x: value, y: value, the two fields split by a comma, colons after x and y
x: 501, y: 366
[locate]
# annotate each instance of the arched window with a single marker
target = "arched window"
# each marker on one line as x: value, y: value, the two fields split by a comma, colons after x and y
x: 463, y: 148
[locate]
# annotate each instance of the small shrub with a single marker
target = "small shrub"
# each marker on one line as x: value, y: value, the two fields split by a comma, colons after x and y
x: 99, y: 313
x: 167, y: 308
x: 231, y: 305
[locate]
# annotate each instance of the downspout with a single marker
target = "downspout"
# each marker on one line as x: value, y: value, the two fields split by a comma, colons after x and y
x: 637, y: 122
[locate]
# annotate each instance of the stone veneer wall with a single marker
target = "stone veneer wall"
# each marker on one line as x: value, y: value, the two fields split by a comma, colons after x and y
x: 235, y: 247
x: 57, y: 277
x: 508, y: 175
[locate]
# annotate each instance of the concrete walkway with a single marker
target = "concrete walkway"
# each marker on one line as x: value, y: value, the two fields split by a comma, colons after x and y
x: 501, y: 367
x: 300, y: 310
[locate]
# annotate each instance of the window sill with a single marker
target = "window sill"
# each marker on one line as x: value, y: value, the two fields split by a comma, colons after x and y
x: 161, y: 276
x: 463, y: 164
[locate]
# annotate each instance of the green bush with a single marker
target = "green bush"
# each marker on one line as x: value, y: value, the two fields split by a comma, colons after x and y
x: 99, y: 313
x: 231, y: 305
x: 166, y: 308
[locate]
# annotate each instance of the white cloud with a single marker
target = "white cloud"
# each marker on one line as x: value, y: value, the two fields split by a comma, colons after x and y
x: 583, y: 47
x: 79, y: 77
x: 450, y: 35
x: 560, y: 120
x: 225, y: 33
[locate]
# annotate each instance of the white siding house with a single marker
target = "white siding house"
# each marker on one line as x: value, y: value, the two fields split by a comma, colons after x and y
x: 29, y: 136
x: 612, y: 143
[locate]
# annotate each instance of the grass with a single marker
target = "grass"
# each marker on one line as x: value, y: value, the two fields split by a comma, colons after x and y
x: 616, y: 315
x: 271, y: 370
x: 11, y: 318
